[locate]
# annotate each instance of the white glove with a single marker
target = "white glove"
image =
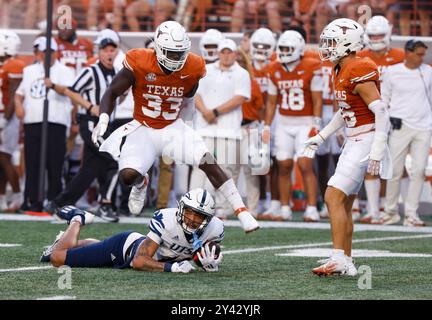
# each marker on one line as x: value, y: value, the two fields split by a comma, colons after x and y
x: 373, y: 167
x: 312, y: 145
x: 100, y: 128
x: 207, y: 258
x: 182, y: 266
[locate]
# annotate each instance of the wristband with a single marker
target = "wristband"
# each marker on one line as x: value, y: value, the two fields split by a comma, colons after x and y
x: 167, y: 267
x: 266, y: 127
x: 216, y: 113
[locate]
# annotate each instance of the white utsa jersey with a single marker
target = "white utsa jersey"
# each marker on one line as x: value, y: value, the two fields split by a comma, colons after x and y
x: 173, y: 244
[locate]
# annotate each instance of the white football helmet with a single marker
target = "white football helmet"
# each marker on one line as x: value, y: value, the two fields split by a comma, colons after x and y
x: 200, y: 201
x: 9, y: 43
x: 339, y: 38
x: 211, y: 37
x: 262, y: 44
x: 172, y: 45
x: 378, y: 27
x: 290, y: 46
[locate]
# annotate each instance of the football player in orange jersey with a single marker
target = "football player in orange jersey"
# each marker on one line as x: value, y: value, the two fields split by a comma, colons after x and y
x: 295, y: 85
x: 164, y: 81
x: 11, y: 70
x: 377, y: 39
x: 73, y: 51
x: 366, y: 120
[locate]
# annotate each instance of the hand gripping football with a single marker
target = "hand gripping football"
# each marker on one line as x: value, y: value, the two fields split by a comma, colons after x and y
x: 211, y: 245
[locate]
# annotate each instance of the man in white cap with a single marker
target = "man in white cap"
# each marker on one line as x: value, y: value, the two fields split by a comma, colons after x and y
x: 219, y: 99
x: 29, y: 105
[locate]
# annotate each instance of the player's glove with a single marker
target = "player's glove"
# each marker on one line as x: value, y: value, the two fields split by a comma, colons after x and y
x: 312, y: 145
x: 208, y: 260
x: 182, y: 266
x: 100, y: 129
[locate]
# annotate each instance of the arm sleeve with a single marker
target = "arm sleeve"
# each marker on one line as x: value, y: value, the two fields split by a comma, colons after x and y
x: 335, y: 123
x: 382, y: 126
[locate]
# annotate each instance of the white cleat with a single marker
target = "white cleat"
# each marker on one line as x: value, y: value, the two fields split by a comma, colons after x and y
x: 332, y: 266
x: 390, y: 218
x: 248, y: 222
x: 311, y: 214
x: 413, y: 221
x: 323, y: 213
x: 137, y: 197
x: 352, y: 270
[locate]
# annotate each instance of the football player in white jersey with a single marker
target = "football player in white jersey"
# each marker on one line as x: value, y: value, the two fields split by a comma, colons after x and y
x: 175, y: 235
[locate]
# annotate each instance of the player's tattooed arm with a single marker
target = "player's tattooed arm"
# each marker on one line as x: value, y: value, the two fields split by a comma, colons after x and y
x: 143, y: 259
x: 121, y: 82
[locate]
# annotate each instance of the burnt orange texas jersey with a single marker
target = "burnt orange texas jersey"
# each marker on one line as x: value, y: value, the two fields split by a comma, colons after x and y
x: 12, y: 69
x: 261, y: 77
x: 158, y: 96
x: 391, y: 57
x: 74, y: 55
x: 354, y: 110
x: 294, y: 88
x: 308, y: 53
x: 251, y: 109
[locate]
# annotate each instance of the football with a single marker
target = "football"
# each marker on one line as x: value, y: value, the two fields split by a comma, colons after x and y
x: 211, y: 244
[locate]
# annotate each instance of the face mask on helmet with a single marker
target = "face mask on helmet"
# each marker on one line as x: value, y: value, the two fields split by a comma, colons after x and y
x: 187, y: 224
x: 9, y: 43
x: 377, y: 42
x: 287, y: 54
x: 327, y: 49
x: 261, y: 51
x: 209, y: 52
x: 172, y: 45
x: 378, y: 33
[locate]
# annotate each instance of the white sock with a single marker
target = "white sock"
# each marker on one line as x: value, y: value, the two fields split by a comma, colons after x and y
x: 404, y: 188
x: 338, y: 253
x: 382, y: 203
x: 356, y: 205
x: 76, y: 218
x: 372, y: 192
x: 275, y: 204
x: 285, y: 209
x: 230, y: 192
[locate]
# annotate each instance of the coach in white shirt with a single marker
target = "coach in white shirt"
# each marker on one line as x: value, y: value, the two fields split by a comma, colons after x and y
x: 407, y: 89
x: 219, y: 98
x: 29, y: 102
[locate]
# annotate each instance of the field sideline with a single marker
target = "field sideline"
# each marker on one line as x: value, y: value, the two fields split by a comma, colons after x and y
x: 271, y: 264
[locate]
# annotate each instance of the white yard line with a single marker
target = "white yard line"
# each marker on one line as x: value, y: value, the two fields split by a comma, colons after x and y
x: 235, y: 223
x: 58, y: 298
x: 10, y: 245
x: 320, y: 244
x: 26, y: 269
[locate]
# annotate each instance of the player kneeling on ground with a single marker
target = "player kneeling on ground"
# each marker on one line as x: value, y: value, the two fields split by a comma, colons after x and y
x: 176, y: 236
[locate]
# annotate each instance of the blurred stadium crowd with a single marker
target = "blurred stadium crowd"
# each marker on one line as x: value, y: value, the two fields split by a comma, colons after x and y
x: 409, y: 17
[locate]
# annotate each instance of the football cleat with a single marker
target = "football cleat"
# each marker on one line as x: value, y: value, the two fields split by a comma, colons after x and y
x: 311, y: 214
x: 46, y: 255
x: 137, y: 197
x: 413, y: 221
x: 332, y: 266
x: 106, y: 212
x: 390, y: 218
x: 284, y: 214
x: 69, y: 212
x: 248, y: 222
